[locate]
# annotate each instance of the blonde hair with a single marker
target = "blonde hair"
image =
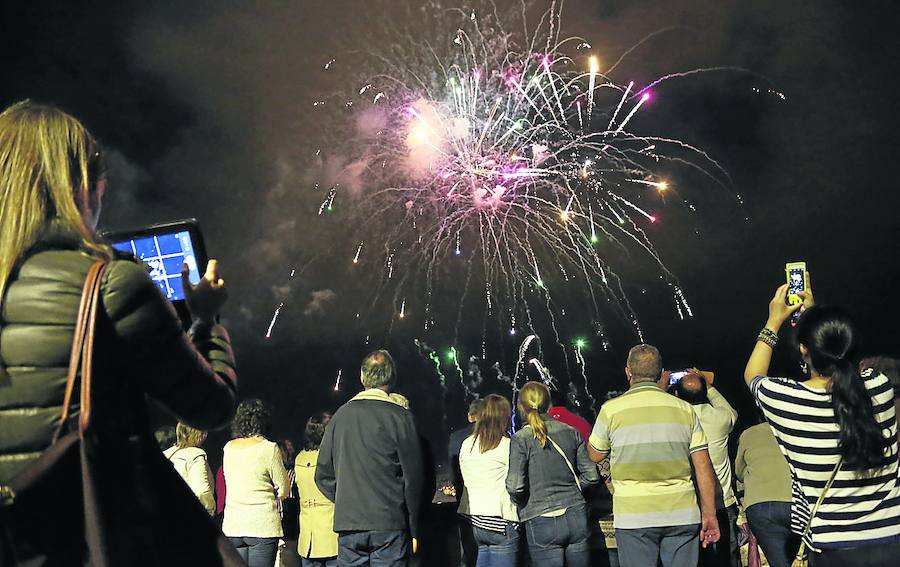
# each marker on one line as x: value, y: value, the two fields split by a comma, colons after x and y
x: 187, y: 436
x: 49, y: 169
x: 534, y: 399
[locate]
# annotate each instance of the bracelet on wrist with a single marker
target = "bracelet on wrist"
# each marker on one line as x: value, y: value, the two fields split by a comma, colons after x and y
x: 768, y: 337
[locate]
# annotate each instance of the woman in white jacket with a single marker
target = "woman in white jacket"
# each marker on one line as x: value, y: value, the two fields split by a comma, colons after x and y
x: 190, y: 461
x: 484, y: 462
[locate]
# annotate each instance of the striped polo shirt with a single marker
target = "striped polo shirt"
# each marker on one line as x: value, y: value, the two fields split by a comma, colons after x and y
x: 650, y: 436
x: 859, y: 508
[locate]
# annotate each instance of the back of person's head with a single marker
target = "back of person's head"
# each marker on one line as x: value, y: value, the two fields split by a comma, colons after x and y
x: 830, y: 340
x: 692, y: 388
x: 50, y: 168
x: 165, y: 436
x: 534, y: 399
x: 644, y: 363
x: 315, y: 430
x: 886, y: 365
x: 378, y: 370
x: 251, y: 419
x: 187, y: 436
x: 475, y: 407
x: 558, y: 398
x: 493, y: 422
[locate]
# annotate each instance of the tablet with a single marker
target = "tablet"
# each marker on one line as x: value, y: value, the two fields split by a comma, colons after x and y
x: 163, y: 248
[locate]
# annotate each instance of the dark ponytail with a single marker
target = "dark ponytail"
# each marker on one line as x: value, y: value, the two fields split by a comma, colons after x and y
x: 831, y: 341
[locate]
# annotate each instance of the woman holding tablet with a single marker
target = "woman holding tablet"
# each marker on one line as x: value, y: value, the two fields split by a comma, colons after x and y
x: 52, y: 182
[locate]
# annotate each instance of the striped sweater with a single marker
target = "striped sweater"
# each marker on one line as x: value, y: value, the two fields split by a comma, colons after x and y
x: 860, y: 508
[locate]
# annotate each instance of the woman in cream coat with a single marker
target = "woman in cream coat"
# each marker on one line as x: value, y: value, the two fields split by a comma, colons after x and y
x: 318, y: 544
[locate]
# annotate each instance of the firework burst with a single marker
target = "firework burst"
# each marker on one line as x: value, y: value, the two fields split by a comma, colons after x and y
x: 500, y: 166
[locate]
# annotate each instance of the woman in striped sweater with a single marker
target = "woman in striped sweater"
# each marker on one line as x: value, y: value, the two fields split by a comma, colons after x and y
x: 833, y: 413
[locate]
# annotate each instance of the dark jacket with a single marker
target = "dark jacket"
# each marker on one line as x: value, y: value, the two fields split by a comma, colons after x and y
x: 454, y: 446
x: 539, y: 480
x: 370, y: 466
x: 140, y: 349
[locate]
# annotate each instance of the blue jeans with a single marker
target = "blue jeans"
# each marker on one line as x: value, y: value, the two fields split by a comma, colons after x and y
x: 559, y: 541
x: 375, y: 549
x: 256, y: 551
x: 496, y: 549
x: 770, y: 522
x: 879, y: 555
x: 725, y: 552
x: 672, y: 546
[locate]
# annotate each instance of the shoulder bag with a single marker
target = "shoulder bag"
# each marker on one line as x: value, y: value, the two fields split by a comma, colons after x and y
x: 802, y: 557
x: 102, y: 499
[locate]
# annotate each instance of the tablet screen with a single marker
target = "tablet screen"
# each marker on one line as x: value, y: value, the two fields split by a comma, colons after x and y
x: 164, y: 254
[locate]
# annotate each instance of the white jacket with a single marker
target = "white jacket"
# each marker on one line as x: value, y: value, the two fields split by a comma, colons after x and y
x: 191, y: 464
x: 484, y: 476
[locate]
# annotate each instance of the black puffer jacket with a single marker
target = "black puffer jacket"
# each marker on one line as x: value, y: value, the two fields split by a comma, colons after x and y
x: 141, y: 349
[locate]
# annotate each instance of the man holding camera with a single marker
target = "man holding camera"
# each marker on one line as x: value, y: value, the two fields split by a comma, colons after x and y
x: 652, y: 440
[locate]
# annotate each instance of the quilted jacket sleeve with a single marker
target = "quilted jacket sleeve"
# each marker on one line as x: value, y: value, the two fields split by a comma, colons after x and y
x: 192, y: 374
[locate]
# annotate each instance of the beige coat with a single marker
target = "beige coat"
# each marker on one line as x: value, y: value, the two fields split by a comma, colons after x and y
x: 317, y: 538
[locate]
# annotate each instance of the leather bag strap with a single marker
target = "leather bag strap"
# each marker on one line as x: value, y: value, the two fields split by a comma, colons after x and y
x: 83, y: 348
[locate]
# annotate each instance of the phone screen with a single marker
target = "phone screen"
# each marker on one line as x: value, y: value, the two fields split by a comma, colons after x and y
x: 674, y: 377
x: 164, y: 254
x: 796, y: 280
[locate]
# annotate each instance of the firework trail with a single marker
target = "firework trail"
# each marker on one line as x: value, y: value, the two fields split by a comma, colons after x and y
x: 504, y: 156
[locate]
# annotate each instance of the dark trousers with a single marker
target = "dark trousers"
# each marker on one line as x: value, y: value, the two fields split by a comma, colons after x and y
x: 725, y: 552
x: 319, y: 562
x: 256, y: 551
x: 468, y: 548
x: 671, y: 546
x: 497, y: 549
x: 559, y: 541
x: 770, y: 522
x: 375, y: 549
x: 883, y: 555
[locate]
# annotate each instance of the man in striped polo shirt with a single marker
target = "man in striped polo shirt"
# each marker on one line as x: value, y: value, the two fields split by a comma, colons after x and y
x: 652, y: 439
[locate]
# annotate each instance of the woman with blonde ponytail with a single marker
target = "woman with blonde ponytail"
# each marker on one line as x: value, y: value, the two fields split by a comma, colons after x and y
x: 52, y: 181
x: 548, y: 468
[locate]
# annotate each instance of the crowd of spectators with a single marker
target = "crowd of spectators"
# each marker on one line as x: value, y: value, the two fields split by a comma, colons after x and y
x: 815, y: 473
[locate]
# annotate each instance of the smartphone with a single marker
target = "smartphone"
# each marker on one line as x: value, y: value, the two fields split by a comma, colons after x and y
x: 674, y: 377
x: 795, y: 272
x: 163, y: 248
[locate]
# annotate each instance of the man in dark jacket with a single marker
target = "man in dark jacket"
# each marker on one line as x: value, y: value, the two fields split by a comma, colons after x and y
x: 370, y: 466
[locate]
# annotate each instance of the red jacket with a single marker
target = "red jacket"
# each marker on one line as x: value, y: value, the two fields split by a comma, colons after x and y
x: 560, y: 413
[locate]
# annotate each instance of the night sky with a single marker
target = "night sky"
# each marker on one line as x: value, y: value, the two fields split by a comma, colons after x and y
x: 205, y: 108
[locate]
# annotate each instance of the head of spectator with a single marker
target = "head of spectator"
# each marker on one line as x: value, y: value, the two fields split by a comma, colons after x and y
x: 315, y: 430
x: 886, y: 365
x: 287, y: 452
x: 186, y: 436
x: 378, y: 371
x: 52, y: 171
x: 251, y: 419
x: 475, y: 410
x: 534, y: 399
x: 828, y: 340
x: 493, y: 422
x: 165, y: 436
x: 692, y: 388
x: 644, y: 364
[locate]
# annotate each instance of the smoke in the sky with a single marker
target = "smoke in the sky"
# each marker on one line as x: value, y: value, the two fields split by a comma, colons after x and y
x: 319, y: 302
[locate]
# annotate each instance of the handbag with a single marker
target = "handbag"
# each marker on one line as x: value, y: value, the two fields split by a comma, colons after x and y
x: 94, y: 498
x: 802, y: 557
